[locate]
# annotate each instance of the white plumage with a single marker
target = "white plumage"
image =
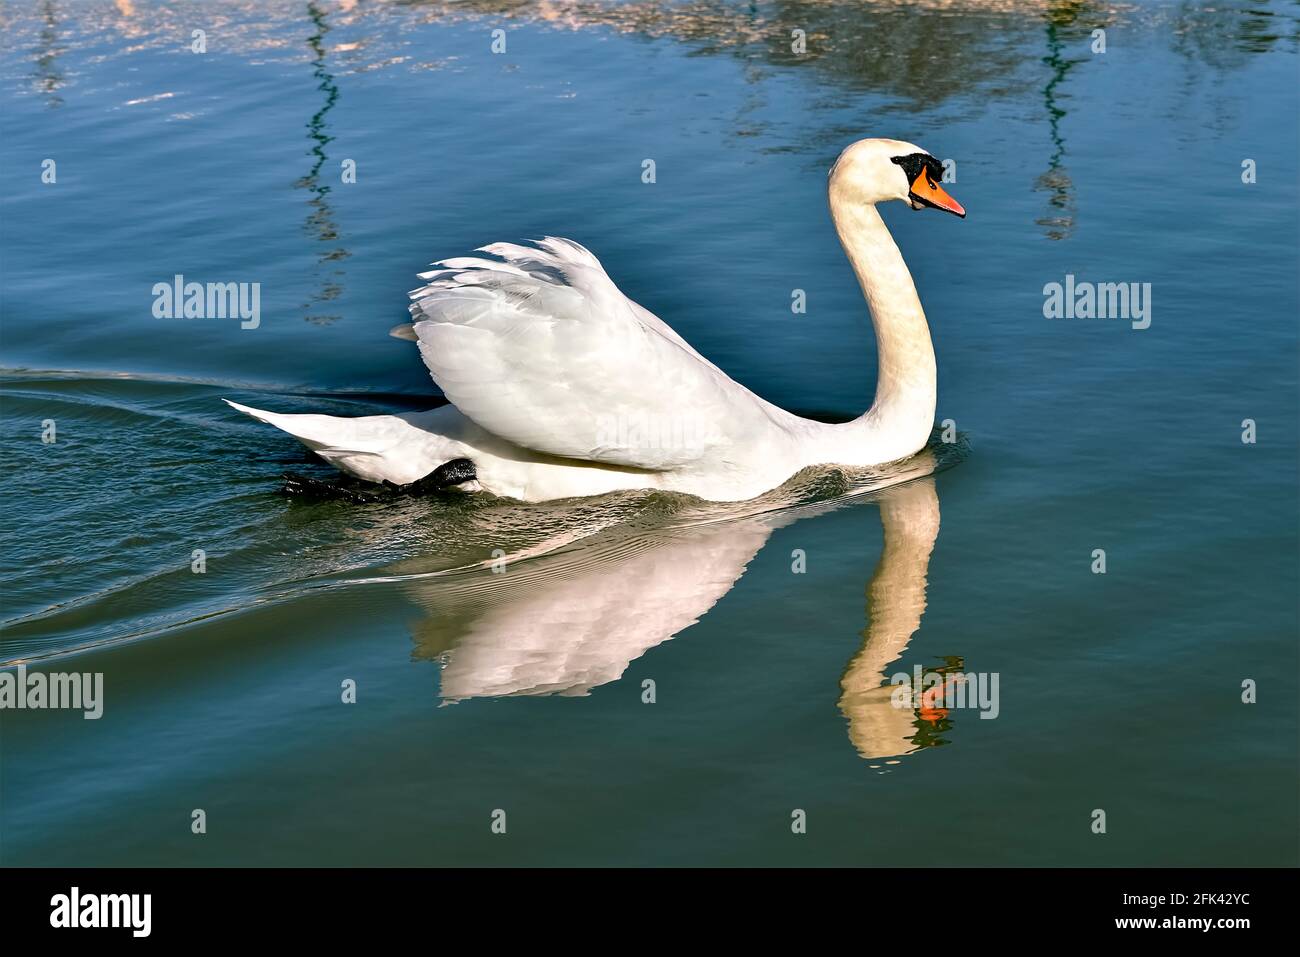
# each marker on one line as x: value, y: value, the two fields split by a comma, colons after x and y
x: 561, y: 386
x: 543, y: 350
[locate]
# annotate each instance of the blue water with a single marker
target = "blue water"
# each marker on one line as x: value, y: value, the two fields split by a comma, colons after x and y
x: 524, y: 691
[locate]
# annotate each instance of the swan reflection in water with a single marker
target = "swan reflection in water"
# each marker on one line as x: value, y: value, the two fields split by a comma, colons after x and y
x: 572, y: 620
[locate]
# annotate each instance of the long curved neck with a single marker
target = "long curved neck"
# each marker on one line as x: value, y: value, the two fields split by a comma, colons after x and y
x: 903, y: 412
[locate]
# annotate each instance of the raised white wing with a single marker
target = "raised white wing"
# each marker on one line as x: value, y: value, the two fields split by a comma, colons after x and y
x: 540, y: 348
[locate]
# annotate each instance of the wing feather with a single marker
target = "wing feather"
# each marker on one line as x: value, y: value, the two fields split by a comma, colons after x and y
x: 539, y: 347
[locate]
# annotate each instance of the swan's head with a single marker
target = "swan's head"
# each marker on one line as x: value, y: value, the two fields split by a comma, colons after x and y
x: 876, y: 171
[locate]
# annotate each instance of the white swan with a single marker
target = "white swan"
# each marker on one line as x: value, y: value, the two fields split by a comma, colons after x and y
x: 560, y: 386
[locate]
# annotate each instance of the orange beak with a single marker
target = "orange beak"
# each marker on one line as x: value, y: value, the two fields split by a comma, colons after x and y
x: 929, y: 193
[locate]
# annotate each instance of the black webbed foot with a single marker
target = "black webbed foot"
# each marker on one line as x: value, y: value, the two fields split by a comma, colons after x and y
x: 443, y: 477
x: 306, y: 487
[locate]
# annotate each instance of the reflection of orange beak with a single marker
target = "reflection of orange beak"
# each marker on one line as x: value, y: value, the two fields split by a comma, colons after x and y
x: 930, y: 193
x: 932, y: 699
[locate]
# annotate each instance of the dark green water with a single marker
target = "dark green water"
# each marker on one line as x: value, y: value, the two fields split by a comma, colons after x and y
x: 523, y: 691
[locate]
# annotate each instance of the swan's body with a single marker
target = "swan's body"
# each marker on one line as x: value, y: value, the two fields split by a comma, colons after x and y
x: 560, y: 386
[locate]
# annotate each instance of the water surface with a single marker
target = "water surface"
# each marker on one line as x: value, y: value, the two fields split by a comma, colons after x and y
x: 524, y: 690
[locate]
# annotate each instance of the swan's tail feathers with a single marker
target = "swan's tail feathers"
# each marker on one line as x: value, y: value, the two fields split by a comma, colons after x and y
x: 374, y: 448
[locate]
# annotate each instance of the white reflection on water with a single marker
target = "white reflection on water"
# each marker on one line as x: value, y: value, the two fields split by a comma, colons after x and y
x: 575, y: 618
